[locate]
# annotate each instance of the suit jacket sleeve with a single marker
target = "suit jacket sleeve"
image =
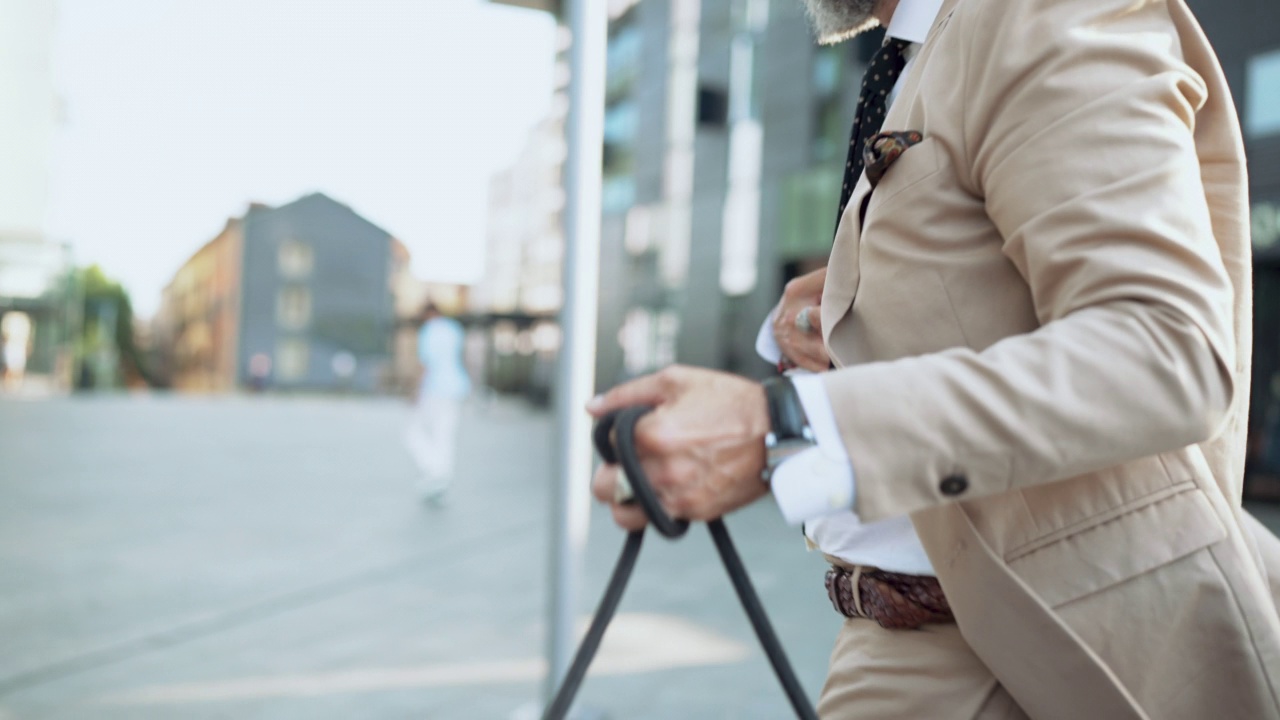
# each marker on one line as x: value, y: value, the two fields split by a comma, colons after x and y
x: 1080, y: 139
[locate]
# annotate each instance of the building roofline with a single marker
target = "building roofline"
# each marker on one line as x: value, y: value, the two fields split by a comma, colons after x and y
x: 315, y: 197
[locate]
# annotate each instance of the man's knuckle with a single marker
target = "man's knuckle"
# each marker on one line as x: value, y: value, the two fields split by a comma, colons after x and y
x: 651, y: 439
x: 603, y: 488
x: 698, y: 511
x: 664, y: 439
x: 661, y: 477
x: 678, y: 506
x: 666, y: 377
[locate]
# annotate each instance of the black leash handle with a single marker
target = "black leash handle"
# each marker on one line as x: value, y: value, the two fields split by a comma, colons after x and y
x: 624, y: 423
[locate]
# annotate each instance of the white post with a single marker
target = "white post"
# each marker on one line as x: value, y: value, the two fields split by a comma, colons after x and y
x: 588, y: 22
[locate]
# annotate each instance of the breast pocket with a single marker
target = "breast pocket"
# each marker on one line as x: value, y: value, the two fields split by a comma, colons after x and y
x: 915, y: 165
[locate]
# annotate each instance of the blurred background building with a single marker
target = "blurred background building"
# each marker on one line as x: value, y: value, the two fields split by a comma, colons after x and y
x: 724, y: 140
x: 725, y: 133
x: 514, y: 305
x: 306, y: 296
x: 39, y: 301
x: 39, y: 313
x: 725, y: 128
x: 1246, y: 35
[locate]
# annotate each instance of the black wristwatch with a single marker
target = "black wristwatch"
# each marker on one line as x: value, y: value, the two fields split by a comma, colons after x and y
x: 789, y: 432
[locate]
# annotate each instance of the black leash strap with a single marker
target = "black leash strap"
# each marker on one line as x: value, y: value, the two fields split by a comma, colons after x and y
x: 624, y: 423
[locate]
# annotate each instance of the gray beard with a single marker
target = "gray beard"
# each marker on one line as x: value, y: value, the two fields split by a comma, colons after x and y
x: 837, y: 20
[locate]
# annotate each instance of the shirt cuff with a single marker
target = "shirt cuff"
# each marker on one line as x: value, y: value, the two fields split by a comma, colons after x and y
x: 818, y: 481
x: 766, y: 344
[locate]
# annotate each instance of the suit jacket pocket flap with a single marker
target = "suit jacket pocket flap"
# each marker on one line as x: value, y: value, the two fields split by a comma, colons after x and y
x: 1113, y: 551
x: 915, y: 164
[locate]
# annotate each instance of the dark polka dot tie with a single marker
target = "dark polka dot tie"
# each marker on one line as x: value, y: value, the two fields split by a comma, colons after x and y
x: 878, y: 81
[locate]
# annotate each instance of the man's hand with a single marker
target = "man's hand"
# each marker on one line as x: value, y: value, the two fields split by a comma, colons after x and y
x: 702, y: 447
x: 803, y: 349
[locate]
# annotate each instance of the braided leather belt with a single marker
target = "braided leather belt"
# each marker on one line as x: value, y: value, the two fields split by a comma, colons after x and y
x: 896, y: 601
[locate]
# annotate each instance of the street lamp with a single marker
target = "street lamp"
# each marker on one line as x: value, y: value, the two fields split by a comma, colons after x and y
x: 552, y: 6
x: 588, y: 23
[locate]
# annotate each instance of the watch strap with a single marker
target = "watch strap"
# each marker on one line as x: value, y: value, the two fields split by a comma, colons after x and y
x: 787, y: 418
x: 789, y: 432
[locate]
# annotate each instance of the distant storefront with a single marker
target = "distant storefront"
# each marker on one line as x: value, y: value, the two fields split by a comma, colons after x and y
x: 39, y: 312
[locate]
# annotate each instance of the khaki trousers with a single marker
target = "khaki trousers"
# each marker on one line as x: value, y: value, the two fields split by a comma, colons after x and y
x: 930, y: 673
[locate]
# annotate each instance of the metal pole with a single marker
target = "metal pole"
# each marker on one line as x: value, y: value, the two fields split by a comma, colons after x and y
x: 570, y: 510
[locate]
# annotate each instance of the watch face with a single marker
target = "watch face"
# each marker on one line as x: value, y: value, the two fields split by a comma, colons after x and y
x: 789, y: 427
x: 780, y: 450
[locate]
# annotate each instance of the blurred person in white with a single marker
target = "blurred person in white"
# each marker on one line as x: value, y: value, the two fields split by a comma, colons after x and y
x: 15, y: 336
x: 433, y: 429
x: 1021, y: 444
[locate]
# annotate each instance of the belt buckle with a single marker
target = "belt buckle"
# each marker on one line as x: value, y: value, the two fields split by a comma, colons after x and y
x: 835, y: 576
x: 832, y: 581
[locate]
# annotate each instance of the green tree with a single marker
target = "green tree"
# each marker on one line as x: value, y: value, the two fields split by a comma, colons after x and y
x: 108, y: 350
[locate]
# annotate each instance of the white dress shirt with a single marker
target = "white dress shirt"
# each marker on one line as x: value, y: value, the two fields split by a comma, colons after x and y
x: 817, y: 487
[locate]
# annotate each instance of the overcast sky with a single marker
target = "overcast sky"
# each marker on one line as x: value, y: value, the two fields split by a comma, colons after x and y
x: 181, y: 112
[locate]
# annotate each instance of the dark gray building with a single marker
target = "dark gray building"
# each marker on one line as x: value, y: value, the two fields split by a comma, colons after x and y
x: 1246, y: 36
x: 673, y: 100
x: 715, y: 110
x: 808, y: 96
x: 644, y: 226
x: 672, y: 287
x: 315, y: 298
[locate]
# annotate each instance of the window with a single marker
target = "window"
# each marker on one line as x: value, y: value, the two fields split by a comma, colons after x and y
x: 1262, y: 98
x: 620, y: 125
x: 621, y: 120
x: 640, y: 228
x: 648, y: 339
x: 626, y: 46
x: 830, y: 129
x: 713, y: 107
x: 1266, y: 225
x: 826, y: 70
x: 296, y: 259
x: 293, y: 307
x: 292, y: 357
x: 622, y: 114
x: 618, y: 193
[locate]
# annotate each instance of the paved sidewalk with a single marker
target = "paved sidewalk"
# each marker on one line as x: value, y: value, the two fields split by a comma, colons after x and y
x: 167, y: 557
x: 237, y: 557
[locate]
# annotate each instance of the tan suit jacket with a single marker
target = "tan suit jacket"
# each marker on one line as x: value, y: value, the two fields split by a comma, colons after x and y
x: 1041, y: 324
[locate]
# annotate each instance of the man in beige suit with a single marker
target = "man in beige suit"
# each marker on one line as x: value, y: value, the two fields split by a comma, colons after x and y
x: 1038, y: 310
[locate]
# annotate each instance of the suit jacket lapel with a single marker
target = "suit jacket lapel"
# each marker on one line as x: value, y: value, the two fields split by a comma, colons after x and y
x: 842, y: 284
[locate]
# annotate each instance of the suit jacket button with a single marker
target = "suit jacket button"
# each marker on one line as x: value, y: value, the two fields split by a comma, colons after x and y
x: 954, y: 485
